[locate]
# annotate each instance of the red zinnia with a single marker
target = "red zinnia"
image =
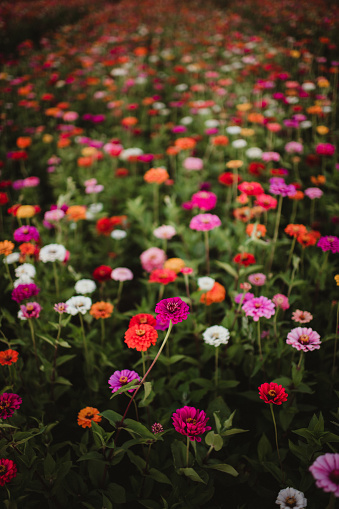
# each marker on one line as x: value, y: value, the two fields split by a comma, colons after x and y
x: 163, y: 276
x: 142, y: 318
x: 228, y: 178
x: 272, y: 393
x: 104, y: 226
x: 8, y: 357
x: 102, y: 273
x: 7, y: 470
x: 141, y: 337
x: 244, y: 259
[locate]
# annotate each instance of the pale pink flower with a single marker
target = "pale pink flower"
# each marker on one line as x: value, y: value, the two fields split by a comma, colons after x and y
x: 258, y: 279
x: 301, y: 316
x: 303, y: 338
x: 122, y: 274
x: 153, y: 258
x: 281, y: 301
x: 166, y: 231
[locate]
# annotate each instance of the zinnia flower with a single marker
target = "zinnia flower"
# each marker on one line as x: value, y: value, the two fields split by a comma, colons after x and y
x: 52, y: 253
x: 121, y: 378
x: 60, y: 307
x: 22, y: 292
x: 281, y: 301
x: 8, y: 471
x: 290, y: 498
x: 216, y: 335
x: 102, y: 273
x: 78, y: 304
x: 8, y: 357
x: 304, y: 339
x: 204, y: 222
x: 142, y: 318
x: 205, y: 283
x: 122, y: 274
x: 153, y: 258
x: 244, y: 259
x: 141, y: 337
x: 165, y: 231
x: 101, y: 310
x: 87, y: 415
x: 26, y: 234
x: 216, y: 294
x: 329, y: 243
x: 191, y: 422
x: 259, y: 307
x: 163, y: 276
x: 174, y: 309
x: 157, y: 428
x: 258, y: 279
x: 9, y: 402
x: 84, y: 286
x: 325, y: 471
x: 272, y: 393
x: 30, y: 310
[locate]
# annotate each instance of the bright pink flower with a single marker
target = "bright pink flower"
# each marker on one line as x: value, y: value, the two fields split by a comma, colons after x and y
x: 173, y: 309
x: 204, y: 200
x: 259, y: 307
x: 325, y: 471
x: 204, y: 222
x: 8, y: 470
x: 191, y: 422
x: 304, y: 339
x: 281, y: 301
x: 9, y: 402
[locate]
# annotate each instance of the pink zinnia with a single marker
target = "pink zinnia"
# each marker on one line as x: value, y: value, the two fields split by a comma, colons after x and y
x: 266, y: 201
x: 281, y: 301
x: 9, y: 402
x: 204, y: 222
x: 301, y: 316
x: 23, y: 292
x: 122, y: 274
x: 204, y: 200
x: 173, y: 309
x: 31, y: 310
x: 258, y: 279
x: 153, y: 258
x: 191, y: 422
x: 259, y: 307
x: 251, y: 188
x: 325, y: 471
x: 304, y: 339
x: 325, y: 149
x: 313, y: 192
x: 193, y: 164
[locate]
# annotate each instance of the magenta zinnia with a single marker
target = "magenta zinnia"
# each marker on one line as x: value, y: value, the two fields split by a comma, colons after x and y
x: 7, y: 470
x: 173, y: 309
x: 259, y: 307
x: 9, y: 402
x: 325, y: 471
x: 204, y: 222
x: 191, y: 422
x: 303, y: 338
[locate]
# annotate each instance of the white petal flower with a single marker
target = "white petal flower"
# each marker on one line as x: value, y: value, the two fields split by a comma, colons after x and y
x: 11, y: 258
x: 23, y: 280
x: 240, y: 143
x: 206, y: 283
x: 233, y: 129
x: 289, y: 497
x: 254, y: 153
x: 78, y: 304
x: 122, y: 274
x: 118, y: 234
x: 216, y: 335
x: 84, y: 286
x: 25, y: 269
x: 52, y: 253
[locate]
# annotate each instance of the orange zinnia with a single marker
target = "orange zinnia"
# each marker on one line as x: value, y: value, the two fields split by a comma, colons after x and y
x: 216, y: 294
x: 156, y: 176
x: 23, y: 142
x: 260, y: 230
x: 27, y: 248
x: 76, y: 212
x: 8, y: 357
x: 141, y: 337
x: 25, y: 211
x: 220, y: 141
x: 87, y: 415
x: 185, y: 143
x: 6, y: 247
x: 101, y: 310
x: 294, y: 230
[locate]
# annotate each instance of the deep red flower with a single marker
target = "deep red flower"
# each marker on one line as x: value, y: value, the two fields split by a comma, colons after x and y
x: 228, y: 178
x: 8, y: 357
x: 142, y: 318
x: 4, y: 198
x: 102, y: 273
x: 272, y: 393
x: 7, y: 470
x: 256, y: 168
x: 104, y: 226
x: 141, y: 337
x: 244, y: 259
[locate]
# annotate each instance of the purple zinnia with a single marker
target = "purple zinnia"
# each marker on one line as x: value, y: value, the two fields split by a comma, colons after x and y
x: 303, y: 338
x: 279, y: 187
x: 121, y: 378
x: 8, y: 403
x: 258, y: 307
x: 191, y: 422
x: 329, y: 243
x: 22, y: 292
x: 157, y: 428
x: 325, y: 471
x: 313, y: 192
x: 31, y: 310
x: 161, y: 324
x: 173, y: 309
x: 26, y: 234
x: 204, y: 222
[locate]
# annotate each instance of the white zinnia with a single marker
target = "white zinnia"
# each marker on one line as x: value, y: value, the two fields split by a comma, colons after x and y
x: 84, y: 286
x: 233, y: 129
x: 289, y: 497
x: 118, y: 234
x: 240, y: 143
x: 130, y: 152
x: 216, y: 335
x: 25, y: 269
x: 23, y: 280
x: 254, y: 153
x: 11, y: 258
x: 78, y: 304
x: 206, y: 283
x: 52, y: 253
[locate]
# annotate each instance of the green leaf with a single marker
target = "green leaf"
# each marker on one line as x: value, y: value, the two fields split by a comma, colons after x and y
x: 273, y: 469
x: 138, y: 428
x: 113, y: 417
x: 224, y: 467
x: 47, y: 339
x: 116, y: 493
x: 64, y: 343
x: 228, y: 268
x: 62, y: 380
x: 139, y: 462
x: 179, y: 454
x: 264, y: 448
x: 214, y: 440
x: 125, y: 388
x: 191, y: 474
x: 64, y: 358
x: 217, y: 421
x: 92, y: 455
x: 233, y: 431
x: 159, y: 476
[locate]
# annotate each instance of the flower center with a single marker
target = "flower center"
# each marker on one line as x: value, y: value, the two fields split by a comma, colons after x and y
x: 140, y: 332
x: 271, y: 393
x: 304, y: 339
x: 29, y: 307
x: 2, y: 469
x: 123, y: 380
x: 334, y: 476
x: 290, y: 501
x: 215, y: 335
x: 257, y: 305
x: 90, y: 415
x: 171, y: 306
x: 191, y: 421
x: 143, y: 319
x: 25, y: 230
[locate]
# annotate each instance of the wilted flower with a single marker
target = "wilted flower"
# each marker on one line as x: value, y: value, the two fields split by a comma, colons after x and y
x: 191, y: 422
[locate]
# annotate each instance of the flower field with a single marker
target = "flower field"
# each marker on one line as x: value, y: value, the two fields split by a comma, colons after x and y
x: 169, y: 241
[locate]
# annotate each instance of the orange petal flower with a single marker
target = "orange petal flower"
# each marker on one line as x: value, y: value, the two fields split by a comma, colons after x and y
x: 87, y: 415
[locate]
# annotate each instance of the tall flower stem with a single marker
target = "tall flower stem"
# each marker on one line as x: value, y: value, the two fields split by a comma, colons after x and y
x: 8, y: 272
x: 102, y: 326
x: 291, y: 253
x: 143, y: 363
x: 276, y: 440
x: 144, y: 378
x: 55, y: 358
x: 207, y: 252
x: 275, y: 322
x: 187, y: 449
x: 56, y: 280
x: 276, y: 230
x: 121, y: 284
x: 216, y: 366
x: 259, y: 341
x: 300, y: 359
x: 155, y: 203
x: 84, y: 342
x: 31, y: 326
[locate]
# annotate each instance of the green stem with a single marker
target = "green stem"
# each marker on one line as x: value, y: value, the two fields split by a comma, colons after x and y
x: 300, y: 359
x: 276, y: 230
x: 259, y: 341
x: 56, y: 281
x: 187, y: 449
x: 144, y: 378
x: 291, y: 253
x: 275, y: 322
x: 121, y: 284
x: 276, y: 441
x: 102, y: 326
x: 84, y: 343
x: 216, y: 366
x: 207, y: 252
x: 31, y: 326
x: 143, y: 363
x: 156, y: 203
x: 8, y: 272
